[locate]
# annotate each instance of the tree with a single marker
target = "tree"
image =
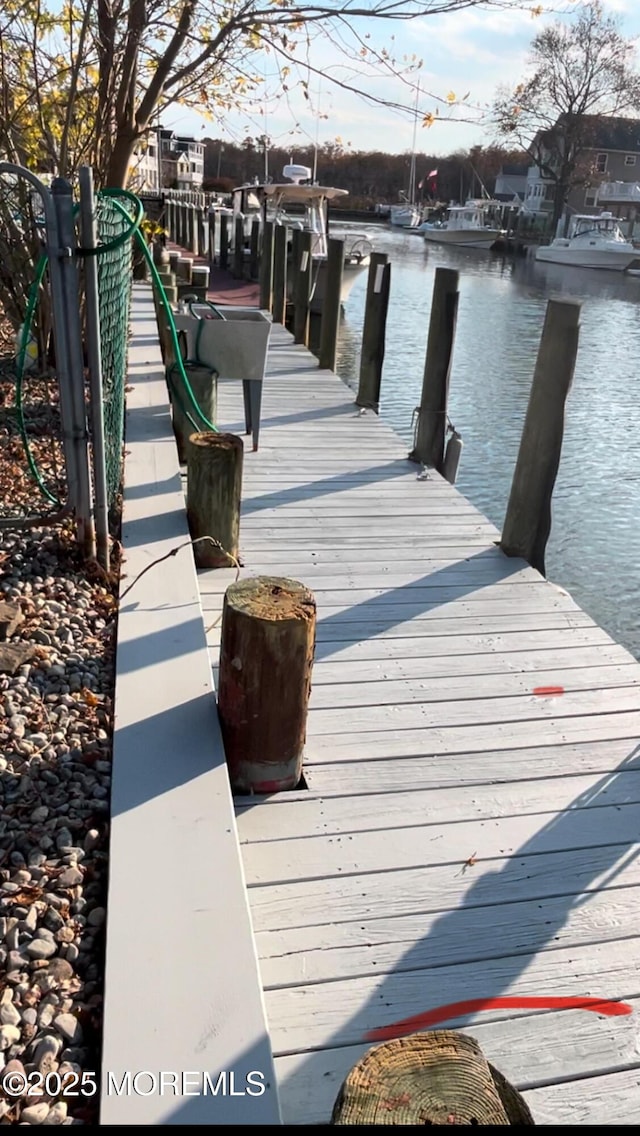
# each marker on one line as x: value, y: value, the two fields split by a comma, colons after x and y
x: 85, y: 80
x: 579, y: 74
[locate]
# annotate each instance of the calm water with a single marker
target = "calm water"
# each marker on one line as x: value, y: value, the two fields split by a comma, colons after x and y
x: 594, y: 550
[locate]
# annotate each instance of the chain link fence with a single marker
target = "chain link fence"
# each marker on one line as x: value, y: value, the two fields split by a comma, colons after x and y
x: 114, y: 292
x: 51, y: 438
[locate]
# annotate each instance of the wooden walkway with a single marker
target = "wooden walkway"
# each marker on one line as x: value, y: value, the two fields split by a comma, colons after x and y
x: 471, y: 824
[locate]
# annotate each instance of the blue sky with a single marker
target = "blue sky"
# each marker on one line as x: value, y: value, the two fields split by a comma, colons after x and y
x: 469, y: 51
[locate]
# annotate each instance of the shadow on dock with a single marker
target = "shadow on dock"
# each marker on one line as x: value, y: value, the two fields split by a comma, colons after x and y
x: 580, y: 851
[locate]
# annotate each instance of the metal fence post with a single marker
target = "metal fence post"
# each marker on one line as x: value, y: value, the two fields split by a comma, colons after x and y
x: 63, y: 202
x: 59, y: 327
x: 94, y: 354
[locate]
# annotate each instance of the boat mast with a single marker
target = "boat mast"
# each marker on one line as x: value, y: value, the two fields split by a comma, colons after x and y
x: 412, y: 172
x: 314, y: 176
x: 266, y: 131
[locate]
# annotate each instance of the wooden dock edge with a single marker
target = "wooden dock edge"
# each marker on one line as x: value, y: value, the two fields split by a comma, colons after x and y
x: 183, y: 997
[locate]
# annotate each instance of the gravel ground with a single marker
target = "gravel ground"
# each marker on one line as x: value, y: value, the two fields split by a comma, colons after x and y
x: 55, y: 742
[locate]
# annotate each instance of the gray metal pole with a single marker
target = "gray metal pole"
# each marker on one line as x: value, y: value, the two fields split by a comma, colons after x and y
x: 58, y: 325
x: 63, y: 200
x: 94, y: 353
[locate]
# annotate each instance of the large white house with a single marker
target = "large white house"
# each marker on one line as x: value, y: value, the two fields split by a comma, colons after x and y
x: 166, y: 160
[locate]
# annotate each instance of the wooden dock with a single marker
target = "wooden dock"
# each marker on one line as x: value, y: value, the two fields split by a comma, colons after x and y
x: 471, y: 824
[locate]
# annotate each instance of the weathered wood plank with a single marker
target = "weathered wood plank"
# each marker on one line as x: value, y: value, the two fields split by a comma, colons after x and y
x: 532, y: 878
x: 344, y: 674
x: 612, y: 1099
x: 402, y: 605
x: 361, y: 720
x: 428, y: 595
x: 366, y: 659
x: 377, y: 580
x: 475, y: 685
x: 330, y: 576
x: 447, y: 522
x: 296, y: 496
x: 304, y: 513
x: 530, y: 1051
x: 345, y: 1011
x: 309, y: 815
x: 335, y: 638
x: 489, y: 766
x: 476, y: 736
x: 303, y: 955
x: 474, y: 541
x: 384, y: 611
x: 320, y: 857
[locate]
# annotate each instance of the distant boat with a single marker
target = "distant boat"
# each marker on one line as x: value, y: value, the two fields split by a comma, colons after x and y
x: 272, y: 201
x: 467, y: 226
x: 591, y: 242
x: 407, y: 214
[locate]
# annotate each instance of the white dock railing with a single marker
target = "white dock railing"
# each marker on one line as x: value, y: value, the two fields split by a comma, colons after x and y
x: 185, y: 1035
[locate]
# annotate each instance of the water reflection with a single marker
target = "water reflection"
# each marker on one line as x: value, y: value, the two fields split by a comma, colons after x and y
x: 595, y: 544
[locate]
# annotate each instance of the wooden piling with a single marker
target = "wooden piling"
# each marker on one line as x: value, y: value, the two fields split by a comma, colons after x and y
x: 528, y: 519
x: 211, y: 250
x: 203, y: 383
x: 214, y: 487
x: 190, y: 242
x: 238, y: 248
x: 280, y: 242
x: 331, y: 304
x: 164, y: 334
x: 293, y: 262
x: 201, y: 248
x: 432, y: 417
x: 373, y: 334
x: 200, y: 276
x: 266, y: 659
x: 184, y: 269
x: 266, y: 267
x: 254, y: 250
x: 302, y: 289
x: 224, y: 240
x: 437, y: 1077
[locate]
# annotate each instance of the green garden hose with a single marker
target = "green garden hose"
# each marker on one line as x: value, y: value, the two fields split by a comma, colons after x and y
x: 133, y: 230
x: 20, y: 367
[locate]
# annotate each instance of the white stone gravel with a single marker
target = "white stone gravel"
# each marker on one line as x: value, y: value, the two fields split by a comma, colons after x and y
x: 55, y: 747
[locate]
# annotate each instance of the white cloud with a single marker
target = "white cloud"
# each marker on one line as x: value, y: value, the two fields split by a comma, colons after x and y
x: 472, y: 50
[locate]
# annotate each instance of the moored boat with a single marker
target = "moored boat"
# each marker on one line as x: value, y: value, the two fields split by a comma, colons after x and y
x: 300, y: 203
x: 467, y: 226
x: 592, y: 241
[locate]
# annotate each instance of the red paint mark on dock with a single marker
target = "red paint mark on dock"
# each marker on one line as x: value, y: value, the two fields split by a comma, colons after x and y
x: 507, y: 1002
x: 541, y: 691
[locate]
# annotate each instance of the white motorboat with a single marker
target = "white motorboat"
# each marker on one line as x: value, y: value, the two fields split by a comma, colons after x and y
x: 302, y: 204
x: 404, y: 216
x: 591, y: 242
x: 467, y: 226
